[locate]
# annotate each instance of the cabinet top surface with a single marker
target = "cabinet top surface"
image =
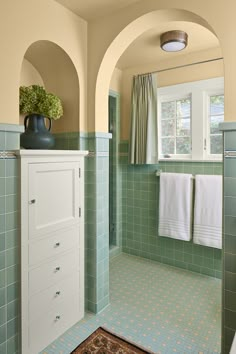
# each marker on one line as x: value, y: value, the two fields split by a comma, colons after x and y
x: 47, y: 153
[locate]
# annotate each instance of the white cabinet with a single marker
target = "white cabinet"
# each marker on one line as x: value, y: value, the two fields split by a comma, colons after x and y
x: 52, y: 245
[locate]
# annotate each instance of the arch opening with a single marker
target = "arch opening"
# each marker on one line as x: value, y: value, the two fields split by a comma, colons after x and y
x: 47, y: 64
x: 125, y: 39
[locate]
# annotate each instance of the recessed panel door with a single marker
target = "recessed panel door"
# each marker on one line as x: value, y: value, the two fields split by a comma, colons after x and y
x: 53, y: 197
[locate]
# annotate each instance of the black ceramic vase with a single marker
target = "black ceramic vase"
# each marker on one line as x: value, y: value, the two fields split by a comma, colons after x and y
x: 36, y: 135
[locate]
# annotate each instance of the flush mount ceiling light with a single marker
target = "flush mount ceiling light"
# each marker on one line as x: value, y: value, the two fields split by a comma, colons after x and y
x: 174, y: 41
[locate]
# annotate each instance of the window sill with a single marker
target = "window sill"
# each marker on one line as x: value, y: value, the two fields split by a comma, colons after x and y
x: 188, y: 160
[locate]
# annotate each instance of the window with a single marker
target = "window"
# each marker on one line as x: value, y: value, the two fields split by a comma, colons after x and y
x: 188, y: 117
x: 215, y: 116
x: 176, y: 126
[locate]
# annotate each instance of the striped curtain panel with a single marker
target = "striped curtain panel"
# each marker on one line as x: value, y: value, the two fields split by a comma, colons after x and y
x: 143, y: 133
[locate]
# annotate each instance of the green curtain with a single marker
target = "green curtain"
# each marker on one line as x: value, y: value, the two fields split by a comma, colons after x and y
x: 143, y: 144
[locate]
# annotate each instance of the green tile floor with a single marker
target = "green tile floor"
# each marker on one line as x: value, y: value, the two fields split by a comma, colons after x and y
x: 165, y: 309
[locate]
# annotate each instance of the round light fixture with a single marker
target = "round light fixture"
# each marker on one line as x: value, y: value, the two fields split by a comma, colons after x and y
x: 174, y: 41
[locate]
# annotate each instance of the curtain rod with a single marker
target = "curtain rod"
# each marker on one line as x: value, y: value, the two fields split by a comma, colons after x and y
x: 182, y: 66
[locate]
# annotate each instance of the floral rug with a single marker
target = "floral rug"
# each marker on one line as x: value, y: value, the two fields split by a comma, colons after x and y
x: 102, y: 341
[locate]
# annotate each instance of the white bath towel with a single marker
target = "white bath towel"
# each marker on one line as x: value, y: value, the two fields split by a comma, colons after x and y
x: 208, y: 211
x: 175, y: 205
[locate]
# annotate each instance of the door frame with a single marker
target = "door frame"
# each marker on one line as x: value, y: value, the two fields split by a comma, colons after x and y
x: 117, y: 207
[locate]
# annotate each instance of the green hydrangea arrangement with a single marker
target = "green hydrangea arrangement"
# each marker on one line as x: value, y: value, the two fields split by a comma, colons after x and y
x: 35, y: 99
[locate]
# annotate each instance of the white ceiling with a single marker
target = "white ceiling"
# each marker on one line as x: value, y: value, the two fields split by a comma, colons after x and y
x: 92, y: 9
x: 146, y: 48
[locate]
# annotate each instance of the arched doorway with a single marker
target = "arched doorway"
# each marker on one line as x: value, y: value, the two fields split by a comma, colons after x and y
x: 119, y: 45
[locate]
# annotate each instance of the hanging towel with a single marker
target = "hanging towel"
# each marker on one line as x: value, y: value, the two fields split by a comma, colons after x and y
x: 208, y: 211
x: 175, y: 205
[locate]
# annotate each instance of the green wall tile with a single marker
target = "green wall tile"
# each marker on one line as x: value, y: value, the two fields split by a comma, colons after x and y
x: 12, y: 239
x: 230, y: 300
x: 12, y: 327
x: 230, y: 187
x: 11, y: 221
x: 229, y: 141
x: 2, y: 205
x: 12, y: 345
x: 230, y: 319
x: 12, y: 310
x: 142, y: 199
x: 3, y: 315
x: 230, y: 167
x: 2, y: 278
x: 2, y: 186
x: 2, y: 242
x: 12, y: 274
x: 3, y: 333
x: 2, y: 297
x: 2, y: 259
x: 230, y: 244
x: 228, y: 335
x: 2, y: 223
x: 2, y: 140
x: 11, y: 185
x: 230, y: 206
x: 12, y: 292
x: 230, y: 281
x: 230, y: 262
x: 11, y: 167
x: 11, y: 203
x: 229, y: 266
x: 2, y: 168
x: 12, y: 141
x: 230, y: 225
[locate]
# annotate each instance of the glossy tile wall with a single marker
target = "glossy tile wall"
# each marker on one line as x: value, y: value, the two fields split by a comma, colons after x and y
x: 140, y: 217
x: 97, y: 223
x: 9, y: 242
x: 96, y: 213
x: 229, y: 217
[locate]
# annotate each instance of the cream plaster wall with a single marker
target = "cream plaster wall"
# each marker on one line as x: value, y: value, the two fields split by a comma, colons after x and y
x: 105, y: 46
x: 29, y: 75
x: 60, y: 77
x: 108, y: 37
x: 116, y: 80
x: 25, y: 22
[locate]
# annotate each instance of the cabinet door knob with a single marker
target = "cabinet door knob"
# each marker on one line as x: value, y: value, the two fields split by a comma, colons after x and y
x: 32, y: 201
x: 57, y: 244
x: 58, y: 318
x: 57, y: 269
x: 58, y: 293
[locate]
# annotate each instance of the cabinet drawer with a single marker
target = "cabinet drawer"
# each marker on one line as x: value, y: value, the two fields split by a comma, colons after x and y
x: 52, y: 324
x: 46, y: 300
x: 50, y: 273
x: 53, y: 244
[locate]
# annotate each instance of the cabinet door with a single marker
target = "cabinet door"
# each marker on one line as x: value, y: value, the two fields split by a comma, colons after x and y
x: 53, y: 196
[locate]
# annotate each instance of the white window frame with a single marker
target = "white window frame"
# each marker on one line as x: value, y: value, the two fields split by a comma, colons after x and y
x: 199, y: 91
x: 208, y: 93
x: 173, y: 96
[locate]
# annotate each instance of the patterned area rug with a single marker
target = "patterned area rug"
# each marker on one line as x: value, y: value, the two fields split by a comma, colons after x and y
x: 102, y: 341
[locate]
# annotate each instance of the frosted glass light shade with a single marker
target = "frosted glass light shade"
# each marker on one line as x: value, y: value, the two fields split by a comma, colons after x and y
x: 174, y: 41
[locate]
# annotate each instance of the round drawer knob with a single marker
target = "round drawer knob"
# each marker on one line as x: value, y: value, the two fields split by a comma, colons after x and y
x: 32, y: 201
x: 57, y: 244
x: 57, y: 269
x: 58, y: 318
x: 58, y: 293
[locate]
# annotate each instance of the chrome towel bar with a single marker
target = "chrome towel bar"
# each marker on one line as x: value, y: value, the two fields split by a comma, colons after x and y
x: 158, y: 173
